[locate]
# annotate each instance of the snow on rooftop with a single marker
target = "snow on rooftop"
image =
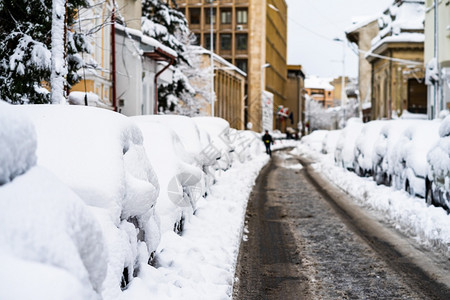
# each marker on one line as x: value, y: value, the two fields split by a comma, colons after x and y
x: 314, y: 82
x: 361, y: 21
x: 227, y: 64
x: 402, y: 22
x: 145, y: 39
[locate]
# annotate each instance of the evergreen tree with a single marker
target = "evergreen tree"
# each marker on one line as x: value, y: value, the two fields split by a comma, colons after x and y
x: 25, y: 45
x: 170, y: 27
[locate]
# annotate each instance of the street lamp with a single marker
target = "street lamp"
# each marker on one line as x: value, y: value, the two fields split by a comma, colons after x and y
x: 343, y: 76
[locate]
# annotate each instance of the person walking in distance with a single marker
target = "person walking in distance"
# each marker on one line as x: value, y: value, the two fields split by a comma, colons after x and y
x: 268, y: 140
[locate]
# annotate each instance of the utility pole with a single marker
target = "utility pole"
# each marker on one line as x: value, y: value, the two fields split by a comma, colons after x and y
x: 211, y: 44
x: 437, y: 103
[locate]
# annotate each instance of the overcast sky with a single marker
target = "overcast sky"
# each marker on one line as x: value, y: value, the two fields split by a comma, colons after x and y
x: 312, y: 25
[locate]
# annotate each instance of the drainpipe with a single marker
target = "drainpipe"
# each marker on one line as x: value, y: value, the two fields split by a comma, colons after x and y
x: 156, y: 84
x: 113, y: 56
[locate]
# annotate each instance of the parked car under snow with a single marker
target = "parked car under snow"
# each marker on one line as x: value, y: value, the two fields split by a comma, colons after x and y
x: 364, y: 146
x: 344, y: 153
x: 180, y: 181
x: 438, y: 175
x: 100, y: 155
x: 410, y: 165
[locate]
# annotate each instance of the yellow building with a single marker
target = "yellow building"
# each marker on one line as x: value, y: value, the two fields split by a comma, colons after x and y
x: 252, y: 35
x: 125, y: 67
x: 229, y: 88
x: 397, y: 62
x: 320, y: 90
x: 442, y: 63
x: 295, y: 97
x: 362, y: 33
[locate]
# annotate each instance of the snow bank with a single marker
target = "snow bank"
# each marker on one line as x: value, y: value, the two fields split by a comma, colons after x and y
x: 344, y: 154
x: 200, y: 264
x: 180, y: 182
x: 100, y: 155
x: 428, y: 224
x: 43, y: 221
x: 17, y: 143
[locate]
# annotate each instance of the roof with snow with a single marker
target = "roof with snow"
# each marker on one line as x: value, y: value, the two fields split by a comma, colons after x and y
x: 314, y: 82
x: 361, y: 21
x: 403, y: 21
x: 227, y: 64
x: 146, y: 40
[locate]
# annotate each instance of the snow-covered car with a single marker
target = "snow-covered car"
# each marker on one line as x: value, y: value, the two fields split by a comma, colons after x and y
x: 51, y: 246
x: 344, y: 153
x: 383, y: 155
x: 100, y: 155
x: 222, y: 142
x: 410, y: 167
x: 364, y: 146
x: 315, y: 139
x: 438, y: 176
x: 180, y: 182
x: 330, y: 141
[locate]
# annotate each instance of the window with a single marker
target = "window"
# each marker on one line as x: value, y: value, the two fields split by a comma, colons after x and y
x: 242, y: 64
x: 241, y: 16
x: 241, y: 42
x: 207, y: 37
x: 225, y: 41
x: 207, y: 16
x: 194, y: 15
x: 225, y: 16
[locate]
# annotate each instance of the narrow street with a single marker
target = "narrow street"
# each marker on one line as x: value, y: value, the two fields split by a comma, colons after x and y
x: 305, y: 240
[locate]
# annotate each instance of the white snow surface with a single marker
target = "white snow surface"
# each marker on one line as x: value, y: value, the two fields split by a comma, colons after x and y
x: 87, y: 213
x: 17, y: 152
x: 429, y: 225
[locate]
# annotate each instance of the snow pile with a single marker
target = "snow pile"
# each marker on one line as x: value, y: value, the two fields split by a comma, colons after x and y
x: 330, y: 140
x: 344, y: 153
x: 99, y: 154
x: 100, y: 213
x: 50, y: 243
x: 179, y: 180
x: 410, y: 163
x: 439, y: 165
x: 428, y: 224
x: 364, y: 147
x: 315, y: 139
x: 402, y: 22
x: 200, y: 264
x: 17, y: 152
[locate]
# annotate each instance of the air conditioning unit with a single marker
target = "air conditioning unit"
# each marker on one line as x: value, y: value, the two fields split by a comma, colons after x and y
x: 239, y: 27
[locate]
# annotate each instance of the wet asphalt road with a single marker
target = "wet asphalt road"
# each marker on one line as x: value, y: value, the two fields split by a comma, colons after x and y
x: 304, y: 241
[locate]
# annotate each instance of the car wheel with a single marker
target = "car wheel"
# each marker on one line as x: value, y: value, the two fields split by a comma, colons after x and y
x: 429, y: 196
x: 408, y: 188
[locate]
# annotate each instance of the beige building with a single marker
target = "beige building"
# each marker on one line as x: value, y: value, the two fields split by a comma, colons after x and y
x: 295, y: 97
x: 397, y: 61
x: 121, y: 79
x: 252, y: 35
x: 229, y: 88
x: 443, y: 49
x: 320, y: 90
x: 362, y: 34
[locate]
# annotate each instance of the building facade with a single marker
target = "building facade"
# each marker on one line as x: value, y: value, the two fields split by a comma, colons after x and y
x: 320, y: 90
x: 397, y: 57
x: 229, y: 88
x: 125, y: 66
x: 250, y: 34
x: 362, y: 34
x: 295, y: 96
x: 438, y: 70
